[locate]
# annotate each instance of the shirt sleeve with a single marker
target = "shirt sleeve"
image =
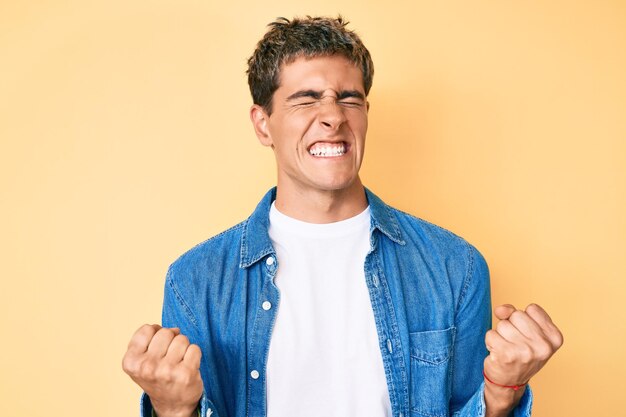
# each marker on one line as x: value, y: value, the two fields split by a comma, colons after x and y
x: 473, y: 319
x: 176, y: 313
x: 476, y: 407
x: 204, y: 407
x: 153, y: 414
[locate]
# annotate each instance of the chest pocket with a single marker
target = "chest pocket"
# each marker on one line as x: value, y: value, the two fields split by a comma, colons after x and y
x: 431, y: 356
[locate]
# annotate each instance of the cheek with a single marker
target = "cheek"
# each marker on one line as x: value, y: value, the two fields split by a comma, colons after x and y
x: 359, y: 126
x: 364, y: 127
x: 305, y: 130
x: 284, y: 133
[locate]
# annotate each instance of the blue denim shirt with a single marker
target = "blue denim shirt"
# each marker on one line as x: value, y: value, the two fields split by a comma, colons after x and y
x: 429, y: 291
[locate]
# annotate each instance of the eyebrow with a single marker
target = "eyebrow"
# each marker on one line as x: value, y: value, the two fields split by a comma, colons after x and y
x: 317, y: 95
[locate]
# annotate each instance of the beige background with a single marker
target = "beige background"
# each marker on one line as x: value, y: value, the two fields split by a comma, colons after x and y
x: 125, y: 140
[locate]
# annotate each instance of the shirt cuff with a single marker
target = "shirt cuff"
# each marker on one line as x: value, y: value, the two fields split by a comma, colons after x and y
x: 476, y: 407
x: 204, y: 407
x: 154, y: 414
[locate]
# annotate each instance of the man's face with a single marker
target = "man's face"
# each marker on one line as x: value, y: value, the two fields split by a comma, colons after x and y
x: 318, y: 124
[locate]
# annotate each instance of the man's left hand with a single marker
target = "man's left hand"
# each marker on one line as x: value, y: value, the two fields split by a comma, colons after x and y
x: 519, y: 346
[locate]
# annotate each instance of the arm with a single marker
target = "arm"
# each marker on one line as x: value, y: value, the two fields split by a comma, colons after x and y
x: 167, y: 367
x: 473, y: 320
x: 164, y: 363
x: 519, y: 346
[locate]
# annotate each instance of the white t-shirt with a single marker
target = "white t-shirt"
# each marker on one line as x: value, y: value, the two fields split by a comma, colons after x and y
x: 324, y: 357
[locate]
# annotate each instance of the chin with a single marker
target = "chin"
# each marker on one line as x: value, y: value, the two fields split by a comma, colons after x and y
x: 337, y: 185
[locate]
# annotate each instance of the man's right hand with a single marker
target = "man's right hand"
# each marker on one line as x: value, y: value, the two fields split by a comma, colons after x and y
x: 167, y: 367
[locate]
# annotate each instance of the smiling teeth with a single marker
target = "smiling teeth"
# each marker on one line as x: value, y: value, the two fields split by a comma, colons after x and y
x: 328, y: 151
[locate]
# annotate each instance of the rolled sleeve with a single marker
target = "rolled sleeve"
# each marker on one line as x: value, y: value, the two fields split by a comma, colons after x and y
x: 205, y: 408
x: 476, y: 407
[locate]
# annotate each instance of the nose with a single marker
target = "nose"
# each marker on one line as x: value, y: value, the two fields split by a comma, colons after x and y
x: 331, y: 114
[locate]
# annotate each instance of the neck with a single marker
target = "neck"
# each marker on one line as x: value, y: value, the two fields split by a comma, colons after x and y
x: 322, y: 206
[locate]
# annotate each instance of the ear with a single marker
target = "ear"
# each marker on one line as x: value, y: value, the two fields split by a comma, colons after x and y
x: 260, y: 119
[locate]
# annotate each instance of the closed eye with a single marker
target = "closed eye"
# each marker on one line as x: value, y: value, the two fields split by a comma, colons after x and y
x: 351, y: 103
x: 305, y: 103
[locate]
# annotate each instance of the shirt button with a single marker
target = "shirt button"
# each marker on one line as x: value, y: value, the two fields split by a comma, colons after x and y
x: 389, y: 347
x: 270, y: 261
x: 254, y: 374
x: 266, y: 305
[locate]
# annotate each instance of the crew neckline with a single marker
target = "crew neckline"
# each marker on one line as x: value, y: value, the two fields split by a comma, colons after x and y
x: 289, y: 225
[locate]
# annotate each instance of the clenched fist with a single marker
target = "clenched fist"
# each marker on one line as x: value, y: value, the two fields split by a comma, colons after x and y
x: 167, y: 367
x: 519, y: 346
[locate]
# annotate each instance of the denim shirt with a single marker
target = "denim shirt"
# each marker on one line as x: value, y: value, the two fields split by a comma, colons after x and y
x: 430, y: 296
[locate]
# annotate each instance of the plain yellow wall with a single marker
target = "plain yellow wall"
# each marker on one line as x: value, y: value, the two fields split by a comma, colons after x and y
x: 125, y: 140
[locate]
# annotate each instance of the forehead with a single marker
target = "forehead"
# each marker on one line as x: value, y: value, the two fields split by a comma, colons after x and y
x: 320, y: 73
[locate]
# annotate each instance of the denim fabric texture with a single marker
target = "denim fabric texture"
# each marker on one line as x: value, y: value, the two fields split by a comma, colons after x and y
x: 430, y: 296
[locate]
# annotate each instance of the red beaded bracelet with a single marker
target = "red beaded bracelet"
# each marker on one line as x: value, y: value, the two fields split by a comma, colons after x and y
x: 513, y: 387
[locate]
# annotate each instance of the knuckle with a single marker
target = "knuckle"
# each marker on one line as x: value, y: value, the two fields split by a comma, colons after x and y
x: 544, y: 351
x: 143, y: 332
x: 194, y: 354
x: 502, y: 326
x: 560, y: 341
x: 147, y: 370
x: 525, y: 354
x: 193, y: 348
x: 532, y: 307
x: 182, y: 339
x: 167, y: 332
x: 129, y: 365
x: 517, y: 314
x: 146, y: 329
x: 536, y: 311
x: 558, y: 338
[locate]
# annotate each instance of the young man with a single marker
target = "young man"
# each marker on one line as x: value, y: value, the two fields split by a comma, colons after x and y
x: 326, y: 301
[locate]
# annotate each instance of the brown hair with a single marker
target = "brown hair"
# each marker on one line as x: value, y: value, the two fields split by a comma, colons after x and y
x: 309, y: 37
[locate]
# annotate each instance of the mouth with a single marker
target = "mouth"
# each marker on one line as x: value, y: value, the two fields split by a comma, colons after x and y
x: 328, y: 149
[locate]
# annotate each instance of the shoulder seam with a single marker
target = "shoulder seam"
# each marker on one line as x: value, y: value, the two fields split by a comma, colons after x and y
x: 220, y: 234
x: 188, y: 311
x: 468, y: 275
x: 229, y: 230
x: 426, y: 222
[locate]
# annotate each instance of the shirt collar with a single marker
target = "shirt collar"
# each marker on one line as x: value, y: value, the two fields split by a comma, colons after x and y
x: 256, y: 243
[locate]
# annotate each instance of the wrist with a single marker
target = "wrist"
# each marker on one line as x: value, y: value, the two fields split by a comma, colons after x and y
x: 161, y: 410
x: 499, y: 401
